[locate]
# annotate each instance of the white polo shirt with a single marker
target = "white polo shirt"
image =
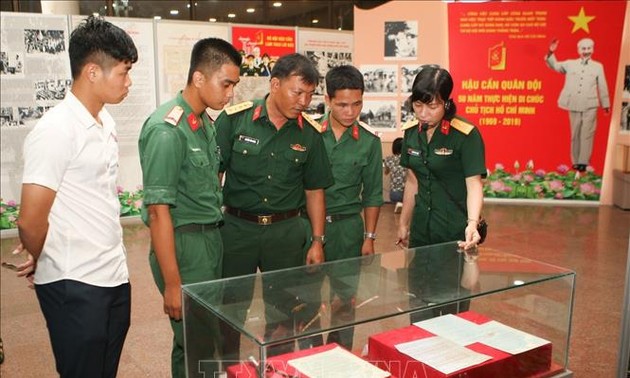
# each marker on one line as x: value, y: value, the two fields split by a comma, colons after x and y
x: 70, y: 153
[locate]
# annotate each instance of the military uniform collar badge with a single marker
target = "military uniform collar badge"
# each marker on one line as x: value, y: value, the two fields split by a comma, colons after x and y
x: 355, y: 131
x: 300, y: 121
x: 193, y: 122
x: 445, y: 127
x: 257, y: 112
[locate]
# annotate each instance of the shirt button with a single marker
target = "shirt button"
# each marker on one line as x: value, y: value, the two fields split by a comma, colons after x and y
x: 269, y: 177
x: 264, y: 199
x: 244, y: 152
x: 272, y: 154
x: 429, y: 208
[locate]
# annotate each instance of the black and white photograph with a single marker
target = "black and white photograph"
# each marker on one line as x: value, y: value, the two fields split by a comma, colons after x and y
x: 324, y: 61
x: 379, y: 114
x: 11, y: 63
x: 407, y: 74
x: 30, y: 113
x: 626, y: 84
x: 625, y: 117
x: 7, y: 119
x: 406, y: 113
x: 44, y: 41
x: 51, y: 89
x: 401, y: 39
x: 317, y: 107
x: 382, y: 80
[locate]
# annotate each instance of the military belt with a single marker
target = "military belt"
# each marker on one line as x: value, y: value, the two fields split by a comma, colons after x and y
x: 196, y: 227
x: 262, y: 219
x: 337, y: 217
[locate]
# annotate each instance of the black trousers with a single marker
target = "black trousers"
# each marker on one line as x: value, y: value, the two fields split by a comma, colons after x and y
x: 87, y: 326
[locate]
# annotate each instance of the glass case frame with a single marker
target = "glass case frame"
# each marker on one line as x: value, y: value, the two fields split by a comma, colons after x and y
x: 295, y: 309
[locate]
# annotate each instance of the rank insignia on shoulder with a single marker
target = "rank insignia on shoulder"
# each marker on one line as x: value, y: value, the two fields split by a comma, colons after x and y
x: 174, y: 115
x: 238, y: 107
x: 409, y: 124
x: 369, y: 129
x: 462, y: 126
x: 316, y: 125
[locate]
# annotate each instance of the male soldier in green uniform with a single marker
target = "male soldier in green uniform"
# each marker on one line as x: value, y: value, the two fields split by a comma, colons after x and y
x: 357, y: 165
x: 275, y: 165
x: 182, y: 194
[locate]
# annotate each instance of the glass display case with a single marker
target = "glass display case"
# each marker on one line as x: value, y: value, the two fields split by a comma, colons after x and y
x: 434, y: 311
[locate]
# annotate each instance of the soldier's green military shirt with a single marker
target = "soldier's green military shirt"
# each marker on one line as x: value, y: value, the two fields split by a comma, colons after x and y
x: 268, y: 169
x: 180, y: 166
x: 357, y: 166
x: 456, y: 151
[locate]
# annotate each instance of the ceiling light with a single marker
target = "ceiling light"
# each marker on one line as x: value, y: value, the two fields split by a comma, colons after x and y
x: 157, y: 17
x: 174, y: 12
x: 188, y: 5
x: 95, y: 14
x: 212, y: 19
x: 315, y: 21
x: 231, y: 15
x: 277, y: 4
x: 251, y: 10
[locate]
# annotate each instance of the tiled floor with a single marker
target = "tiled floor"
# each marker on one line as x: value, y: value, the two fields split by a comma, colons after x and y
x: 593, y: 241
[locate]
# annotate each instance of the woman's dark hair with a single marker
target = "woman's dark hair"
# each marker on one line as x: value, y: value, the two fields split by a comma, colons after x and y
x: 433, y: 83
x: 98, y: 41
x: 295, y: 65
x: 397, y: 146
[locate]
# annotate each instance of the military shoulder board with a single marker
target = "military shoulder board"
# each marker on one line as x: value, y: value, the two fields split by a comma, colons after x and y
x: 462, y: 126
x: 238, y: 107
x: 316, y: 125
x: 409, y: 124
x: 174, y: 115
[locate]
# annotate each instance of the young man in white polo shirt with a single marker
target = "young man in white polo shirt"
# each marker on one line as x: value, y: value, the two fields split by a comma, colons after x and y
x: 69, y: 212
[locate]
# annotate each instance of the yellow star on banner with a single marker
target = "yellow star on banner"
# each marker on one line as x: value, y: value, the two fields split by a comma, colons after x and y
x: 581, y: 21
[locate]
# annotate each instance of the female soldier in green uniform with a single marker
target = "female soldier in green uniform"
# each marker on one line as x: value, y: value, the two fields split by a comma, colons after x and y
x: 443, y: 153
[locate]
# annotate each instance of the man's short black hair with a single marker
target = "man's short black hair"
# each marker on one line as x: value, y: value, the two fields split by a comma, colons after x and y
x: 343, y: 77
x: 98, y: 41
x: 209, y: 54
x: 295, y: 65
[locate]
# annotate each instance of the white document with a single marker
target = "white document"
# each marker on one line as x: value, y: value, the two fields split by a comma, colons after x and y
x: 336, y: 363
x: 508, y: 339
x: 451, y: 327
x: 442, y: 354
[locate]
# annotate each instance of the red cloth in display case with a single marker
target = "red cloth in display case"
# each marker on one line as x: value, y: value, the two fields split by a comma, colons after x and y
x: 280, y: 364
x: 383, y: 353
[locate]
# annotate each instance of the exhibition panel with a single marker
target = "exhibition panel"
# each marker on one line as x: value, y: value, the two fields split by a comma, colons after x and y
x: 433, y: 311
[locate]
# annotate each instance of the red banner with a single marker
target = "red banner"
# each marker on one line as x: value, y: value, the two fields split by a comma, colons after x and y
x: 504, y: 85
x: 261, y: 47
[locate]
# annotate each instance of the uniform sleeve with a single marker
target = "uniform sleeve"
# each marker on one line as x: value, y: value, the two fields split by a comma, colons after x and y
x: 404, y: 157
x: 602, y: 87
x: 47, y: 154
x: 223, y: 126
x: 318, y: 174
x: 553, y: 63
x: 373, y: 176
x: 473, y: 155
x: 162, y: 153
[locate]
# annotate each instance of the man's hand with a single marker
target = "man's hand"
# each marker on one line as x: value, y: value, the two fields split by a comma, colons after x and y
x: 368, y: 247
x: 553, y: 45
x: 315, y: 254
x: 173, y: 302
x: 27, y: 268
